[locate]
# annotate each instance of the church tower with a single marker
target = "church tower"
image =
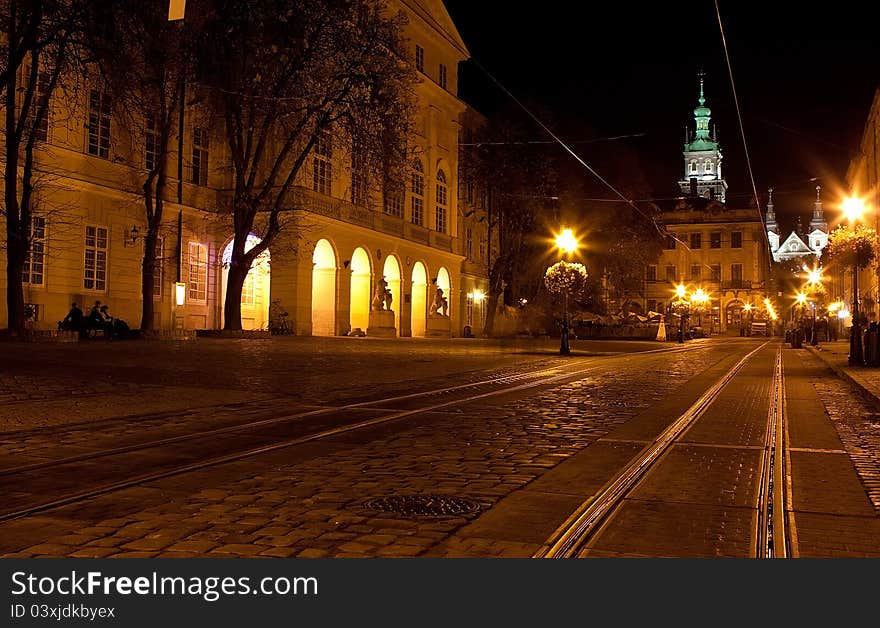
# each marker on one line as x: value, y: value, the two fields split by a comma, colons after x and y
x: 772, y: 227
x: 818, y: 236
x: 702, y: 157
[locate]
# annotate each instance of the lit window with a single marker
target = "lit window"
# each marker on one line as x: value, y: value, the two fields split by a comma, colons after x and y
x: 247, y: 289
x: 34, y: 263
x: 198, y: 272
x: 441, y: 202
x: 95, y: 276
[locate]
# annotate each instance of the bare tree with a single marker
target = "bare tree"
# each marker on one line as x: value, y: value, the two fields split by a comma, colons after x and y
x: 291, y: 76
x: 43, y: 47
x: 146, y: 61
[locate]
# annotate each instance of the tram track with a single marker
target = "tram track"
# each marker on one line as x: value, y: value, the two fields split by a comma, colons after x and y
x: 124, y: 460
x: 769, y: 536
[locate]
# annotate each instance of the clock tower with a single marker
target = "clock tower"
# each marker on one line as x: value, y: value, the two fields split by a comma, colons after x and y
x: 702, y: 157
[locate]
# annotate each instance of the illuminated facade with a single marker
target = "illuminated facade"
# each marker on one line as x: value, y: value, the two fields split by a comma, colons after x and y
x: 87, y: 240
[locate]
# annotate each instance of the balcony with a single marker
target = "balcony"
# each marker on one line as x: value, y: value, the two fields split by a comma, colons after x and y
x: 741, y: 284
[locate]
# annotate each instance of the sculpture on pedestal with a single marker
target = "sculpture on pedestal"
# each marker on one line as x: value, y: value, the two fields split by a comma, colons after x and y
x: 439, y: 305
x: 379, y: 297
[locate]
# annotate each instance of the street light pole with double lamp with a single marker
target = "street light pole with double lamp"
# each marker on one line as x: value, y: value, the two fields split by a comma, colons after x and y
x: 567, y: 243
x: 853, y: 209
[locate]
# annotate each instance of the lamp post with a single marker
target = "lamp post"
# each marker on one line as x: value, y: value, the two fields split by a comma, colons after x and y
x: 748, y: 310
x: 853, y: 209
x: 814, y: 286
x: 567, y: 243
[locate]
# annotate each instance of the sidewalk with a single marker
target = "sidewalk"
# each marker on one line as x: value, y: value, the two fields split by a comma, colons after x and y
x: 866, y: 379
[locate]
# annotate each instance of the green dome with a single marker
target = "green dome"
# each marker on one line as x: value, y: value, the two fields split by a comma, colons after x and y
x: 702, y: 112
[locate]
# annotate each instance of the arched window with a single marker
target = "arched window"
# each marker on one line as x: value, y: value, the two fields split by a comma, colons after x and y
x: 708, y: 165
x: 441, y: 202
x: 694, y: 165
x: 417, y: 189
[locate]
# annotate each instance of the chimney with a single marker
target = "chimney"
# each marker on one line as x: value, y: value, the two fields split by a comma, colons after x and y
x: 693, y: 186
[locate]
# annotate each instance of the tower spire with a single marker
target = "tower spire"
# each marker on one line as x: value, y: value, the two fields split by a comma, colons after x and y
x: 771, y: 216
x: 702, y: 75
x: 818, y: 220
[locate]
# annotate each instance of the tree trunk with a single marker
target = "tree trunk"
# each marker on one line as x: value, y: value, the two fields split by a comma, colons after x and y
x: 14, y: 288
x: 148, y: 280
x: 234, y: 284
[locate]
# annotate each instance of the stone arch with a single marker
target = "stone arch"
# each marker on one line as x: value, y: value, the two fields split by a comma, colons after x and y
x: 419, y: 299
x: 361, y: 289
x: 391, y: 272
x: 733, y: 314
x: 442, y: 281
x: 323, y: 289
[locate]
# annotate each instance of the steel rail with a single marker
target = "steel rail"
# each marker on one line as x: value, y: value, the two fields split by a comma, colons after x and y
x: 240, y: 455
x: 239, y: 427
x: 771, y: 533
x: 582, y: 524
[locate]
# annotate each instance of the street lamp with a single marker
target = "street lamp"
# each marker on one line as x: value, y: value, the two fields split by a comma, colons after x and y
x: 813, y: 286
x: 854, y: 209
x: 682, y: 305
x: 567, y: 243
x: 747, y: 308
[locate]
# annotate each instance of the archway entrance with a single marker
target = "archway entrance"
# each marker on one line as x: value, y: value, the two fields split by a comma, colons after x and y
x: 734, y: 315
x: 255, y: 291
x: 323, y: 290
x: 361, y: 291
x: 419, y: 299
x: 443, y: 283
x: 392, y: 276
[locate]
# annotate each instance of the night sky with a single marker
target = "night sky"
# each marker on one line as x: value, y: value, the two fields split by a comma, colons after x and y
x: 805, y: 77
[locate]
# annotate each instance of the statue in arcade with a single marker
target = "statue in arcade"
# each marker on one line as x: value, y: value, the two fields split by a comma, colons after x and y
x: 440, y: 305
x: 380, y: 296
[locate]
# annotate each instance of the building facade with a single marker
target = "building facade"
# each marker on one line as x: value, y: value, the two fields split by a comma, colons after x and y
x: 709, y: 246
x: 87, y: 242
x: 805, y: 244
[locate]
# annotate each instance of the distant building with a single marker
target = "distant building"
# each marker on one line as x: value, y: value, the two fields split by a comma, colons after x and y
x: 800, y: 243
x: 710, y: 246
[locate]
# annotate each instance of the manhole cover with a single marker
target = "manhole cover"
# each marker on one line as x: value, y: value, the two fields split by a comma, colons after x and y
x: 424, y: 505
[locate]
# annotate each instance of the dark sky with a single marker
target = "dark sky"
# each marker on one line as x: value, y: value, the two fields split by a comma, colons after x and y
x: 805, y: 74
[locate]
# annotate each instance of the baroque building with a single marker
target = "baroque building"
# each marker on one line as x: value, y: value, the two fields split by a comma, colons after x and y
x: 709, y: 245
x: 87, y: 234
x: 800, y: 243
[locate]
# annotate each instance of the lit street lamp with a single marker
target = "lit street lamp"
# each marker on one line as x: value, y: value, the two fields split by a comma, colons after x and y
x: 567, y: 243
x: 853, y: 209
x: 684, y: 303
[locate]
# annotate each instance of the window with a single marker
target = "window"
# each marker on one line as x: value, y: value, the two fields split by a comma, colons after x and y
x: 651, y: 273
x: 696, y: 240
x: 34, y: 263
x: 736, y: 239
x: 247, y: 289
x: 442, y: 77
x: 669, y: 243
x: 469, y: 191
x: 420, y: 59
x: 41, y: 130
x: 670, y: 272
x: 693, y: 166
x: 200, y: 156
x: 158, y: 268
x: 736, y: 273
x: 708, y: 165
x: 483, y: 248
x: 417, y: 189
x: 441, y: 202
x: 322, y: 169
x: 358, y: 178
x: 99, y: 123
x: 469, y: 314
x: 198, y: 272
x: 716, y: 272
x: 469, y: 242
x: 95, y: 276
x: 151, y: 142
x: 715, y: 240
x: 393, y: 199
x: 696, y: 272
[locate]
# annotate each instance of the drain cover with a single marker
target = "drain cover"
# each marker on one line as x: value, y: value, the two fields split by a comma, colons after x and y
x: 424, y: 505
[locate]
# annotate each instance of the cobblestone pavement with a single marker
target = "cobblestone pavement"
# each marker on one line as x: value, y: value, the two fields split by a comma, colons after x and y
x: 44, y: 385
x: 522, y: 461
x: 312, y: 501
